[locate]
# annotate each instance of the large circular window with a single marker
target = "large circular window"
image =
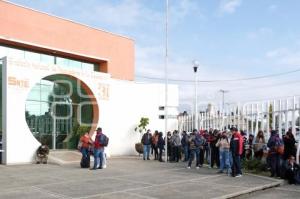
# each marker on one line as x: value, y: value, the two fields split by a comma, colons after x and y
x: 56, y: 107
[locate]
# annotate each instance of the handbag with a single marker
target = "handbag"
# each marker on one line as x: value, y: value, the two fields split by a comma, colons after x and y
x: 280, y: 149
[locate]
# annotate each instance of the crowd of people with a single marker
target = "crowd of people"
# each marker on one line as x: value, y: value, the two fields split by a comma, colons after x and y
x: 226, y: 150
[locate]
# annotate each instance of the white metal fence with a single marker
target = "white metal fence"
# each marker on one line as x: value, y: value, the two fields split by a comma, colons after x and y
x: 279, y: 114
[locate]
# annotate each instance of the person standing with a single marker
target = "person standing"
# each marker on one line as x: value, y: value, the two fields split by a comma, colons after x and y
x: 224, y: 146
x: 259, y: 145
x: 289, y: 145
x: 214, y: 150
x: 99, y: 145
x: 177, y: 146
x: 160, y: 146
x: 236, y: 147
x: 146, y: 141
x: 185, y: 145
x: 194, y: 149
x: 84, y: 149
x: 274, y: 143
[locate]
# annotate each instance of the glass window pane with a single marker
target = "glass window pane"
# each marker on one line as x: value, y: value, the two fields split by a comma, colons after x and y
x: 74, y: 64
x: 62, y: 62
x: 47, y: 59
x: 88, y: 66
x: 16, y: 53
x: 3, y: 51
x: 31, y: 56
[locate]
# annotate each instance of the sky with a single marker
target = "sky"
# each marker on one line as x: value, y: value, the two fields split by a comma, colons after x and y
x: 231, y: 39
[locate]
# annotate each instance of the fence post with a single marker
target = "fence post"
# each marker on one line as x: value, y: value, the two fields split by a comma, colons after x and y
x: 286, y: 116
x: 262, y: 123
x: 268, y: 119
x: 280, y: 119
x: 273, y: 116
x: 252, y: 119
x: 256, y: 122
x: 293, y: 117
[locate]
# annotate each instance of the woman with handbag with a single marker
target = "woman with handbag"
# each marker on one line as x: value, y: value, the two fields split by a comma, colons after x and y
x: 259, y: 145
x: 84, y: 146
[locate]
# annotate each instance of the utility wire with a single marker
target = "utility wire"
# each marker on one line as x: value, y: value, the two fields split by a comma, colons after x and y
x: 221, y: 80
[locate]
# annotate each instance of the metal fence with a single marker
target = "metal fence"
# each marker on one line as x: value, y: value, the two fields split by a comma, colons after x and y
x: 279, y: 114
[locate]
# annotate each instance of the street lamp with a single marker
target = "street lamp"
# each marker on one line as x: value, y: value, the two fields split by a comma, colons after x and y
x: 195, y: 67
x: 223, y: 101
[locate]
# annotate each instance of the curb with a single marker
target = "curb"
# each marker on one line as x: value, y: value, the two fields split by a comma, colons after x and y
x: 252, y: 190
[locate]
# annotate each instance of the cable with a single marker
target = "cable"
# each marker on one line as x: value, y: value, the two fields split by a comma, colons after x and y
x: 222, y: 80
x: 266, y: 86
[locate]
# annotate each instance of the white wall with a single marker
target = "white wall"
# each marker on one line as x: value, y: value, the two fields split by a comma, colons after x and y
x: 120, y: 111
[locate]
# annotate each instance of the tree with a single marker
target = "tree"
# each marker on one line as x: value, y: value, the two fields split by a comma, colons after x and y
x: 271, y: 116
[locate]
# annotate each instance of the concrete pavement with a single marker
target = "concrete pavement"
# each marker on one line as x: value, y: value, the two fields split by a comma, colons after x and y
x: 128, y: 177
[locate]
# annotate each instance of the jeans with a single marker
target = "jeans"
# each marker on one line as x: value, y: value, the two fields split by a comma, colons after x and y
x: 275, y: 164
x: 98, y: 157
x: 84, y: 152
x: 194, y: 152
x: 160, y: 154
x: 224, y: 160
x: 146, y: 151
x: 201, y: 156
x: 236, y: 167
x: 207, y: 154
x: 186, y: 153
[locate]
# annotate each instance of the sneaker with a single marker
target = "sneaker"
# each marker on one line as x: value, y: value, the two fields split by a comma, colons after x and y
x: 104, y: 166
x: 188, y: 167
x: 238, y: 176
x: 197, y: 167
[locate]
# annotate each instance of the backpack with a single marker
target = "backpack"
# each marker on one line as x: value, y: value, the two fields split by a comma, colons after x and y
x: 279, y: 146
x: 103, y: 140
x: 198, y: 141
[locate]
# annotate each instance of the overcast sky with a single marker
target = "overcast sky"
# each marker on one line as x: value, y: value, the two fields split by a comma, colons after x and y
x: 230, y: 39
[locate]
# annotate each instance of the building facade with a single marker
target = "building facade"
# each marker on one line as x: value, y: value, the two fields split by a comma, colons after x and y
x: 60, y: 77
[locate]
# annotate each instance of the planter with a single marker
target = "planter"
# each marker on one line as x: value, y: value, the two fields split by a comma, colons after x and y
x: 139, y: 148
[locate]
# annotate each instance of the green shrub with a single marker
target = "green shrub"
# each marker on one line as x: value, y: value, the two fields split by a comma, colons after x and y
x: 254, y: 165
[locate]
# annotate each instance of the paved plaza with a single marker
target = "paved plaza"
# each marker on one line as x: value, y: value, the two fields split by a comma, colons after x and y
x: 131, y: 177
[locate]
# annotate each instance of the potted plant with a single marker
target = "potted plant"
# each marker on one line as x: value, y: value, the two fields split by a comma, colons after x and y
x: 141, y: 128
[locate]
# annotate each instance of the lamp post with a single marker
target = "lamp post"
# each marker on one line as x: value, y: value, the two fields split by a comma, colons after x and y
x: 195, y: 67
x: 223, y: 101
x: 166, y: 83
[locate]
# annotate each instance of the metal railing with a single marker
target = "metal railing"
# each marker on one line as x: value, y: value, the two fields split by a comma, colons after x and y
x: 251, y: 117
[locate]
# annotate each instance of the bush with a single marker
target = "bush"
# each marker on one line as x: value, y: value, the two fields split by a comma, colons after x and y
x: 81, y: 130
x: 255, y: 165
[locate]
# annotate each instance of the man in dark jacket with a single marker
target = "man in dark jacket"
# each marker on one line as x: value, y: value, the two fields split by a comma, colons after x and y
x: 273, y: 144
x: 160, y: 146
x: 236, y: 147
x: 146, y: 141
x: 185, y: 145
